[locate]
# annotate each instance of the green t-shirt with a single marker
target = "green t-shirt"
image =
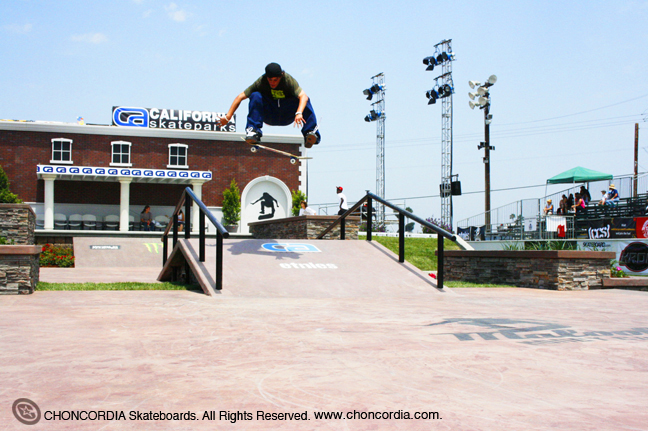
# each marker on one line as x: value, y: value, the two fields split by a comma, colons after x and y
x: 288, y: 87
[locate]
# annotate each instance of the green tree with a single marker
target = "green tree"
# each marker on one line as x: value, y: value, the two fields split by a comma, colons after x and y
x: 6, y: 197
x: 297, y: 197
x: 231, y: 204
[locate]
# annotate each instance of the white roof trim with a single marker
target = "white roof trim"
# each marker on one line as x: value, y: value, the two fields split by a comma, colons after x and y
x: 90, y: 173
x: 45, y: 126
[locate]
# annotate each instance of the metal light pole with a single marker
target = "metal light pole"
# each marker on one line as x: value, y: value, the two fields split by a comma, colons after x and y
x: 443, y: 89
x: 378, y: 114
x: 483, y: 102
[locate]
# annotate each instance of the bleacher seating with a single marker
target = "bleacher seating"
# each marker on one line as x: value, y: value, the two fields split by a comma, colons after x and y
x: 625, y: 208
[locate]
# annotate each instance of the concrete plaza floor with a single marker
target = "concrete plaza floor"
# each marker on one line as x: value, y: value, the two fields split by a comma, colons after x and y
x: 482, y: 359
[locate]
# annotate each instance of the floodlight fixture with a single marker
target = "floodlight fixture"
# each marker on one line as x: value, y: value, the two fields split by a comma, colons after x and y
x: 471, y: 104
x: 472, y: 95
x: 445, y: 91
x: 369, y: 92
x: 482, y: 101
x: 474, y: 84
x: 492, y: 79
x: 442, y: 57
x: 373, y: 116
x: 429, y: 60
x: 432, y: 94
x: 482, y: 91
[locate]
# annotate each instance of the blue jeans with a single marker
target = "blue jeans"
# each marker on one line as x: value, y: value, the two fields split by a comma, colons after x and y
x: 279, y: 112
x: 612, y: 202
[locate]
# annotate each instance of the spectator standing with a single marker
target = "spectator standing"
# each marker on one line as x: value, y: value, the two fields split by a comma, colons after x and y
x: 181, y: 221
x: 585, y: 194
x: 344, y: 206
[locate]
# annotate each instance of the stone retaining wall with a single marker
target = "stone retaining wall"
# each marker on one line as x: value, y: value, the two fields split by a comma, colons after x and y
x: 303, y: 227
x: 19, y: 268
x: 556, y: 270
x: 17, y: 223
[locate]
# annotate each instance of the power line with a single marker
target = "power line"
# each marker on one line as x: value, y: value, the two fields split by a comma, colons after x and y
x: 470, y: 193
x: 502, y: 134
x: 579, y: 113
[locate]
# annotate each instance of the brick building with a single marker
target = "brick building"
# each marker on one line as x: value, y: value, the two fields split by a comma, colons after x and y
x: 109, y: 169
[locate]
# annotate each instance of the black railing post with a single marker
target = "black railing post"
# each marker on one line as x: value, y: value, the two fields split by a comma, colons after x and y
x: 440, y: 261
x: 369, y: 218
x: 188, y: 202
x: 343, y: 228
x: 219, y: 260
x: 175, y: 229
x: 401, y: 237
x: 165, y: 249
x: 201, y: 236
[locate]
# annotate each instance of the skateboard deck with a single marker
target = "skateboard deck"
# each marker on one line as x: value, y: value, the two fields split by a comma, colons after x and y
x: 293, y: 157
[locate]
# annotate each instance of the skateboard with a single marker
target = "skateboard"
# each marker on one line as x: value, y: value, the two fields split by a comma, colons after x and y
x: 293, y: 158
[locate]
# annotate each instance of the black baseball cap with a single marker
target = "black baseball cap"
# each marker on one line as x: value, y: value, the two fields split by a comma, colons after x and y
x: 273, y: 70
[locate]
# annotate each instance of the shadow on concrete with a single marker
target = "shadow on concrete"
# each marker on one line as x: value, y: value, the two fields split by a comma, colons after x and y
x: 408, y: 266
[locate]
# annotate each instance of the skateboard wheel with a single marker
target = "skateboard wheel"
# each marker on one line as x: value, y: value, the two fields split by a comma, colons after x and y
x: 293, y: 160
x: 254, y: 148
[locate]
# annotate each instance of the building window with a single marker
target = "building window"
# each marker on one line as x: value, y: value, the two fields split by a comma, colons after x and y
x: 178, y: 156
x: 121, y: 152
x: 61, y: 151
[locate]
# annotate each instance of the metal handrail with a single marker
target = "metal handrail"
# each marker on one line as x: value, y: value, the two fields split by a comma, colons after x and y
x: 186, y: 199
x: 402, y: 215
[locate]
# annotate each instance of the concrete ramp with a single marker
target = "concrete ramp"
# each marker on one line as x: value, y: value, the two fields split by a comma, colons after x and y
x: 110, y: 260
x: 93, y: 252
x: 301, y: 269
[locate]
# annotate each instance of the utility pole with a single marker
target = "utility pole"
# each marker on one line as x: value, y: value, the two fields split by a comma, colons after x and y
x: 636, y: 160
x: 487, y: 148
x: 482, y: 100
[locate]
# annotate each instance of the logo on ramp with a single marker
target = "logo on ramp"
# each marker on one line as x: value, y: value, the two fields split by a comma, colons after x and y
x: 286, y: 247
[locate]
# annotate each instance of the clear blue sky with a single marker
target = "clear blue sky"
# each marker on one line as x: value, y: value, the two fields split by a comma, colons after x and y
x: 557, y: 63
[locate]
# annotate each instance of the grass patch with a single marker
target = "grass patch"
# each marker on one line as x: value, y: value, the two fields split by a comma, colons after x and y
x: 418, y: 251
x: 115, y: 286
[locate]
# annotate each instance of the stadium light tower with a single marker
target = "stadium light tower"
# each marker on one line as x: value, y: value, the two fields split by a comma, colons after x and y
x: 443, y: 89
x: 377, y: 114
x: 481, y: 99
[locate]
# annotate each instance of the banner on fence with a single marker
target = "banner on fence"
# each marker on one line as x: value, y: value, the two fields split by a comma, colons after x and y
x: 641, y: 227
x: 614, y: 228
x: 633, y: 256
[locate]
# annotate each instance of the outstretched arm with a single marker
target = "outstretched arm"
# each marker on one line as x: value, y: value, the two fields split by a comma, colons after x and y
x: 235, y: 104
x: 299, y: 117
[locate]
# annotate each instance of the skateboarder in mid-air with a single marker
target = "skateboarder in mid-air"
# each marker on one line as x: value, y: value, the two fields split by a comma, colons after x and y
x: 276, y: 99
